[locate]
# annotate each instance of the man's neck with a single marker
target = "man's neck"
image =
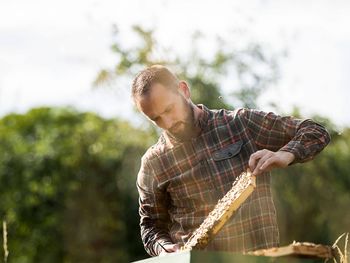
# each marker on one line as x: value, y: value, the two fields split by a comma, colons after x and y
x: 197, y: 113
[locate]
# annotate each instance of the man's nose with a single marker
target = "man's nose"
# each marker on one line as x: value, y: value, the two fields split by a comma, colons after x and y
x: 167, y: 122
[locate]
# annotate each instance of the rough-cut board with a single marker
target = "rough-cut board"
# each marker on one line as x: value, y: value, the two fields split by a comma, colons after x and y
x: 241, y: 189
x: 297, y: 249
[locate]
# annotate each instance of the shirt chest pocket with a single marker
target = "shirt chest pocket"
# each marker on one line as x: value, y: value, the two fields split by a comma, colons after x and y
x: 227, y: 152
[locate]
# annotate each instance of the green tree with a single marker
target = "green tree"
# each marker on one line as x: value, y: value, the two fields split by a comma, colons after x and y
x: 65, y: 189
x: 250, y: 69
x: 313, y: 198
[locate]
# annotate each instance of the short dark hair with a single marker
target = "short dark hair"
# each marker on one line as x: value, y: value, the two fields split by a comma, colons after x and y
x: 151, y: 75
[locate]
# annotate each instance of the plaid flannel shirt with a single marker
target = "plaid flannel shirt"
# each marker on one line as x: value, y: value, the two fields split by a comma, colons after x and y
x: 179, y: 183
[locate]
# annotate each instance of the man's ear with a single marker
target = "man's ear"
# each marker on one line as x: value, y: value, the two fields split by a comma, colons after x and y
x: 184, y: 89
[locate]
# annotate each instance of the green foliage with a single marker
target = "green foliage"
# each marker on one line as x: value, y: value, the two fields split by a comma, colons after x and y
x: 67, y: 186
x: 313, y: 198
x: 250, y: 70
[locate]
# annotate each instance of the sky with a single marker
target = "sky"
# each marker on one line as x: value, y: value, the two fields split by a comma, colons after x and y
x: 51, y: 51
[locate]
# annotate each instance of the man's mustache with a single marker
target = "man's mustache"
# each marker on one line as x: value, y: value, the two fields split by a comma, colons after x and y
x: 176, y: 125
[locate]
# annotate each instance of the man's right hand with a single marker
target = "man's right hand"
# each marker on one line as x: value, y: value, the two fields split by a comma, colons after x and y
x: 170, y: 248
x: 265, y: 160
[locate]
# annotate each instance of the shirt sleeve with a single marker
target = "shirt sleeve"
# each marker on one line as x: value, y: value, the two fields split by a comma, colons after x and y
x: 153, y: 210
x: 304, y: 138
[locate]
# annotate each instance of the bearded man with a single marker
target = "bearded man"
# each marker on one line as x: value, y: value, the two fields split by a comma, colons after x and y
x: 198, y: 156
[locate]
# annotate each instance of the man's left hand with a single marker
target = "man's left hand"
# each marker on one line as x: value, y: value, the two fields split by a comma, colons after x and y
x: 265, y: 160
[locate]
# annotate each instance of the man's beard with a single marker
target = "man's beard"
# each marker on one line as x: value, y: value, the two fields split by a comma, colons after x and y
x: 188, y: 127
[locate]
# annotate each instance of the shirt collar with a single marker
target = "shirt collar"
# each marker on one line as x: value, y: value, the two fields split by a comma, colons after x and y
x: 202, y: 120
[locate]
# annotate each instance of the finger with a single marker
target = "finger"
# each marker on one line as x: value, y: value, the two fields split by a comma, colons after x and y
x: 262, y: 160
x: 254, y: 158
x: 172, y: 247
x: 176, y: 247
x: 268, y: 164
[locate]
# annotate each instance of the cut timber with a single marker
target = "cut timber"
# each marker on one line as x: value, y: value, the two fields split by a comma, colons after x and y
x: 297, y: 249
x: 241, y: 189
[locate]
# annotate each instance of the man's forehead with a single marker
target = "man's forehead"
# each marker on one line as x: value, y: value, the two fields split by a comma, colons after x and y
x: 157, y: 93
x: 156, y: 100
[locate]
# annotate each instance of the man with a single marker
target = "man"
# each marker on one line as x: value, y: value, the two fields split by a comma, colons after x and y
x: 199, y: 155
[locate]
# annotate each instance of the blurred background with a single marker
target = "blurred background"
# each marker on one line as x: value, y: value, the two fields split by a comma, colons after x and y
x: 71, y: 140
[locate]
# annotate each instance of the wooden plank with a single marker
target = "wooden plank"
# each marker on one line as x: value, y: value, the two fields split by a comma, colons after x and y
x: 241, y: 189
x: 297, y: 249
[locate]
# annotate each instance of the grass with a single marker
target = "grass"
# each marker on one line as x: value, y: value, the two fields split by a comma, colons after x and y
x: 342, y: 256
x: 4, y: 232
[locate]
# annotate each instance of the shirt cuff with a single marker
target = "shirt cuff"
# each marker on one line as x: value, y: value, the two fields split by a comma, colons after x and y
x: 295, y: 148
